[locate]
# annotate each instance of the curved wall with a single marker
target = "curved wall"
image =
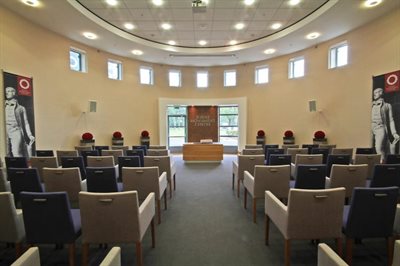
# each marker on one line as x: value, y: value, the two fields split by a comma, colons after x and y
x: 60, y: 95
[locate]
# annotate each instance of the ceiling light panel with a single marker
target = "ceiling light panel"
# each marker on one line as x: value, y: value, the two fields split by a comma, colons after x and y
x: 157, y: 2
x: 112, y: 2
x: 33, y: 3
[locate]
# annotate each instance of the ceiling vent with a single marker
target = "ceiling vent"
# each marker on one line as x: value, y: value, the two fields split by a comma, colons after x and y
x: 198, y: 6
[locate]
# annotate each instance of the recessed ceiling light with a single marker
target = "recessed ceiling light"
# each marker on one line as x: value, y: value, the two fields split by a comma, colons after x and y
x: 31, y: 2
x: 129, y: 26
x: 90, y: 35
x: 269, y: 51
x: 112, y: 2
x: 206, y: 2
x: 158, y: 2
x: 313, y: 35
x: 202, y: 42
x: 239, y: 26
x: 233, y: 42
x: 171, y: 42
x: 248, y: 2
x: 166, y: 26
x: 372, y: 3
x: 137, y: 52
x: 276, y: 25
x: 294, y: 2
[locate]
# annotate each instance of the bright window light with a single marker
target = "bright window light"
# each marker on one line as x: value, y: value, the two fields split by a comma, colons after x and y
x: 174, y: 77
x: 77, y: 60
x: 229, y: 78
x: 146, y: 75
x: 338, y: 55
x: 202, y: 79
x: 296, y: 67
x: 262, y: 75
x: 114, y: 69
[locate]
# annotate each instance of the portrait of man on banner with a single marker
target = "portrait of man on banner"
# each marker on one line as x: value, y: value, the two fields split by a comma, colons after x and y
x: 19, y: 115
x: 385, y: 114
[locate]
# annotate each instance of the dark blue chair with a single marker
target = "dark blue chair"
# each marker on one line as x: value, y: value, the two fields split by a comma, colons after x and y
x: 392, y: 159
x: 44, y: 153
x: 85, y: 154
x: 140, y: 147
x: 370, y: 215
x: 24, y: 179
x: 323, y: 151
x: 16, y: 162
x: 74, y: 161
x: 128, y: 161
x: 310, y: 176
x: 100, y: 148
x: 102, y: 179
x: 385, y: 175
x: 48, y: 219
x: 270, y: 151
x: 137, y: 152
x: 280, y: 159
x: 310, y: 147
x: 336, y: 159
x: 270, y: 146
x: 366, y: 150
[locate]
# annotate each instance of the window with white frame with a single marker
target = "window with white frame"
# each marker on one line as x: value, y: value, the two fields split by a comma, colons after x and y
x: 77, y: 60
x: 202, y: 79
x: 146, y: 75
x: 114, y: 69
x: 262, y: 75
x: 296, y: 67
x: 338, y: 55
x: 229, y: 78
x: 174, y: 77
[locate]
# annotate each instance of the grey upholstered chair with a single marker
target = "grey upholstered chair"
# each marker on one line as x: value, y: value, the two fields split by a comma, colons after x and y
x: 157, y: 152
x: 285, y: 147
x: 146, y: 180
x: 396, y: 255
x: 370, y: 159
x: 328, y: 257
x: 11, y: 223
x: 330, y: 147
x: 114, y: 153
x: 294, y: 151
x: 117, y: 225
x: 305, y: 159
x: 41, y: 162
x: 83, y: 148
x: 104, y: 161
x: 119, y: 147
x: 158, y: 147
x: 273, y: 178
x: 309, y: 214
x: 252, y: 151
x: 31, y: 257
x: 113, y: 257
x: 253, y: 146
x: 343, y: 151
x: 244, y: 163
x: 165, y: 164
x: 65, y: 153
x: 44, y: 153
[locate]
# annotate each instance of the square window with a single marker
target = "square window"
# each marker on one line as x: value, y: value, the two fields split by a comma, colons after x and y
x: 262, y: 75
x: 174, y: 77
x: 338, y: 55
x: 114, y: 69
x: 296, y: 67
x: 77, y: 60
x: 230, y: 78
x: 146, y: 75
x: 202, y: 79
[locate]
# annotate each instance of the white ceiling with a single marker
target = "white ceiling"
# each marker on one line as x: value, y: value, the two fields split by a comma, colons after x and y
x: 330, y: 18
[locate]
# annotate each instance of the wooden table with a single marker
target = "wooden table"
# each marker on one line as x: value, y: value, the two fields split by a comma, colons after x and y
x: 197, y: 152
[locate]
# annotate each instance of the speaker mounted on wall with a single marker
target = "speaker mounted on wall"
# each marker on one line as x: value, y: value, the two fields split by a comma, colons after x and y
x: 92, y: 107
x: 312, y: 105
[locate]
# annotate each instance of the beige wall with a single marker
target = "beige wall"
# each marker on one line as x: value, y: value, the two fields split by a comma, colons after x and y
x: 343, y: 95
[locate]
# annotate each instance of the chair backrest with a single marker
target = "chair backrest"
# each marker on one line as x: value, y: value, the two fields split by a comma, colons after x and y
x: 137, y: 152
x: 315, y: 214
x: 114, y: 153
x: 120, y: 147
x: 163, y: 163
x: 158, y: 147
x: 386, y: 175
x: 65, y: 153
x: 140, y: 147
x: 274, y: 178
x: 294, y: 151
x: 101, y: 161
x: 310, y: 147
x: 336, y: 159
x: 157, y: 152
x: 116, y: 223
x: 74, y: 161
x: 31, y: 257
x: 392, y: 159
x: 100, y: 148
x: 271, y: 146
x: 287, y: 146
x: 63, y: 179
x: 280, y: 159
x: 48, y: 218
x: 16, y: 162
x: 113, y: 257
x: 40, y: 162
x: 24, y: 179
x: 348, y: 176
x: 253, y: 146
x: 44, y: 153
x: 247, y: 163
x: 370, y: 159
x: 101, y: 179
x: 343, y: 151
x: 308, y: 159
x: 142, y: 179
x: 328, y: 146
x: 371, y: 212
x: 323, y: 151
x: 270, y: 151
x: 85, y: 154
x: 328, y: 257
x: 128, y: 161
x: 370, y: 150
x: 11, y: 224
x: 310, y: 176
x: 83, y: 148
x: 252, y: 151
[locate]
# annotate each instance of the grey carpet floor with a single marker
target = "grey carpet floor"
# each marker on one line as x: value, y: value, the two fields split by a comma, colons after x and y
x: 205, y: 225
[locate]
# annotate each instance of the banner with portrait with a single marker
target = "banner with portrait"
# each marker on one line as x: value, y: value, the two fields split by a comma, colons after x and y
x: 19, y: 115
x: 385, y: 113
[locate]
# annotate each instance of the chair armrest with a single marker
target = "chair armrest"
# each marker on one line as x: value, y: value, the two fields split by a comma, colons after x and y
x: 276, y: 211
x: 113, y: 257
x: 30, y: 257
x: 248, y: 182
x: 146, y: 213
x: 162, y: 180
x: 83, y: 185
x: 235, y: 168
x: 20, y: 228
x: 327, y: 182
x: 293, y: 170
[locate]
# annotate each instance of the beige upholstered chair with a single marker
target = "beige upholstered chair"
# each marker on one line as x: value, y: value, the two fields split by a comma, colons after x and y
x: 285, y: 147
x: 42, y: 162
x: 328, y: 146
x: 113, y: 257
x: 4, y: 184
x: 310, y: 214
x: 305, y: 159
x: 396, y: 253
x: 328, y: 257
x: 117, y: 147
x: 65, y: 179
x: 83, y: 148
x: 114, y: 153
x: 104, y: 161
x: 146, y: 180
x: 347, y: 176
x: 273, y: 178
x: 253, y: 146
x: 343, y: 151
x: 122, y: 220
x: 252, y: 151
x: 397, y: 222
x: 370, y: 159
x: 65, y: 153
x: 244, y: 163
x: 31, y: 257
x: 157, y: 152
x: 165, y: 164
x: 12, y: 228
x: 158, y: 147
x: 294, y: 151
